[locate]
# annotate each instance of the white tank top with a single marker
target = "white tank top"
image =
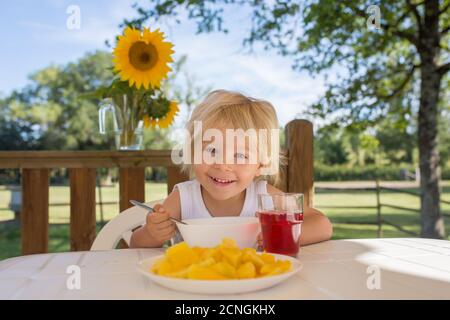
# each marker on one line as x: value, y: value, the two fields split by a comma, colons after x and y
x: 193, y: 206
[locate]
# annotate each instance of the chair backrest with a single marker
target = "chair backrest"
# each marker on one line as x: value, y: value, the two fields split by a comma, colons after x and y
x: 120, y: 227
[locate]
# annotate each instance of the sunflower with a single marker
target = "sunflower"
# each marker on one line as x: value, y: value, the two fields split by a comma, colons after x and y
x: 162, y: 120
x: 141, y: 58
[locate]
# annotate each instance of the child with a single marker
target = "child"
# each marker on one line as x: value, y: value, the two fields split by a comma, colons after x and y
x: 224, y: 188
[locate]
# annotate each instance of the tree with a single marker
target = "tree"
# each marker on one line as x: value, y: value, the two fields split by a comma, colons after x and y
x: 329, y: 146
x: 406, y: 58
x: 397, y: 138
x: 51, y: 105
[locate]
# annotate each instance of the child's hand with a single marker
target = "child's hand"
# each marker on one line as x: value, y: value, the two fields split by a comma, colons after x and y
x: 158, y: 224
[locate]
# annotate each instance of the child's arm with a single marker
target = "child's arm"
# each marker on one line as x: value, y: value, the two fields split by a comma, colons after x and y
x: 316, y: 226
x: 158, y: 228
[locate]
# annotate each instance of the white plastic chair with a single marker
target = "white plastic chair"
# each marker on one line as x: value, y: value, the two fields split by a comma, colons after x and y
x: 120, y: 227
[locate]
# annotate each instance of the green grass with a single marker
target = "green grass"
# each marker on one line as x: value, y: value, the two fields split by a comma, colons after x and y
x: 347, y: 223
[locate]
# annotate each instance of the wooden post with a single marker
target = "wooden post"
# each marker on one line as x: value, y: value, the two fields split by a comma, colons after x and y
x: 300, y: 172
x: 379, y: 221
x: 283, y: 183
x: 34, y: 220
x: 174, y: 176
x: 131, y: 186
x: 82, y: 208
x: 100, y: 200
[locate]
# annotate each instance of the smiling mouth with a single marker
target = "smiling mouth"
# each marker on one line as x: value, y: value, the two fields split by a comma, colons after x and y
x: 221, y: 181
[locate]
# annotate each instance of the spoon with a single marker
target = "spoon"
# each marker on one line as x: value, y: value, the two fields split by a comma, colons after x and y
x: 150, y: 209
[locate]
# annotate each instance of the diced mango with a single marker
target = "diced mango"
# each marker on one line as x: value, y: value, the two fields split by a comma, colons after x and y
x: 212, y: 253
x: 271, y: 268
x: 225, y: 269
x: 207, y: 262
x: 225, y: 261
x: 179, y: 274
x: 157, y: 264
x: 267, y: 258
x: 229, y: 243
x: 249, y: 250
x: 203, y: 273
x: 166, y: 268
x: 199, y: 251
x: 232, y: 255
x: 254, y: 258
x: 275, y: 268
x: 181, y: 256
x: 285, y: 265
x: 246, y: 270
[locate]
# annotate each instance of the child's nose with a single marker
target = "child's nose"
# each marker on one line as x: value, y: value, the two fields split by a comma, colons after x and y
x: 222, y: 166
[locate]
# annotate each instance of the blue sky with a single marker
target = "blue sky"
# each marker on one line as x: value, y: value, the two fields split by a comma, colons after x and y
x: 34, y: 35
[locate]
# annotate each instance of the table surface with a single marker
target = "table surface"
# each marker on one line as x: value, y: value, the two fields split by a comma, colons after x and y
x: 408, y: 268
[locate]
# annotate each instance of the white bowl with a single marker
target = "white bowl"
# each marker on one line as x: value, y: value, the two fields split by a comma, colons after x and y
x: 209, y: 232
x: 218, y: 286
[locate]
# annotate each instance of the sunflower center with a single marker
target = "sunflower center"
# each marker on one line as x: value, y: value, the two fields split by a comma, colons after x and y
x: 143, y: 56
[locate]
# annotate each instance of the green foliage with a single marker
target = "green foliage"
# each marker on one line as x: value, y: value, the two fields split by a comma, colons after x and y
x: 53, y: 109
x: 329, y: 147
x: 354, y: 173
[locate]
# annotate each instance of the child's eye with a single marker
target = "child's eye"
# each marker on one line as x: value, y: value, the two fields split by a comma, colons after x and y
x: 240, y: 156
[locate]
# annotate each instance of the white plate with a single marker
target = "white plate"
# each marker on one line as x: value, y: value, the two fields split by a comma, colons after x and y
x: 218, y: 286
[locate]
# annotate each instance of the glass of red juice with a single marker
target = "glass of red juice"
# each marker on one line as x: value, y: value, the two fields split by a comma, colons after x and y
x: 281, y: 217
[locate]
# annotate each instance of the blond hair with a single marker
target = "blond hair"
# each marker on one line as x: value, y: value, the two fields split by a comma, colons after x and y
x: 222, y: 107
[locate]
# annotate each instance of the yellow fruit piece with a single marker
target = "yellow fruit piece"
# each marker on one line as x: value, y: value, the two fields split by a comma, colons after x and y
x: 199, y: 251
x: 275, y: 268
x: 229, y: 243
x: 249, y: 250
x: 157, y: 264
x: 165, y: 268
x: 254, y: 258
x: 179, y: 274
x: 232, y: 255
x: 267, y: 258
x: 181, y: 255
x: 212, y: 253
x: 246, y: 270
x: 285, y: 265
x: 203, y: 273
x: 206, y: 263
x: 270, y: 269
x: 225, y: 269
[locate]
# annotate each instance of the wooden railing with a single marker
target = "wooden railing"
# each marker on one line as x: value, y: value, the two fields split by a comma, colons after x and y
x: 35, y: 167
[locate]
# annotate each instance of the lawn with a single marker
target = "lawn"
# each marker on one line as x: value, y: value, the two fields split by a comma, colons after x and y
x: 348, y: 223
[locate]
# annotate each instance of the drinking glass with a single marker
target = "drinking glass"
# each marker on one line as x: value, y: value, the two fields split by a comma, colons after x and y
x: 281, y: 217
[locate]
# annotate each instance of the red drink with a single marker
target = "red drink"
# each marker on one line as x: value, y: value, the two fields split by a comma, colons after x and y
x: 281, y: 231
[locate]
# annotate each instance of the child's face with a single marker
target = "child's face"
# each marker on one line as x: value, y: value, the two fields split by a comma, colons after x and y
x: 239, y: 167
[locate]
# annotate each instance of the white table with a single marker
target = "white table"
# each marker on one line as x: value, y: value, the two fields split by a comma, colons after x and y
x: 340, y: 269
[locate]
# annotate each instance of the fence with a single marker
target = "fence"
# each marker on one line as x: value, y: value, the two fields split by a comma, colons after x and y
x: 379, y: 206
